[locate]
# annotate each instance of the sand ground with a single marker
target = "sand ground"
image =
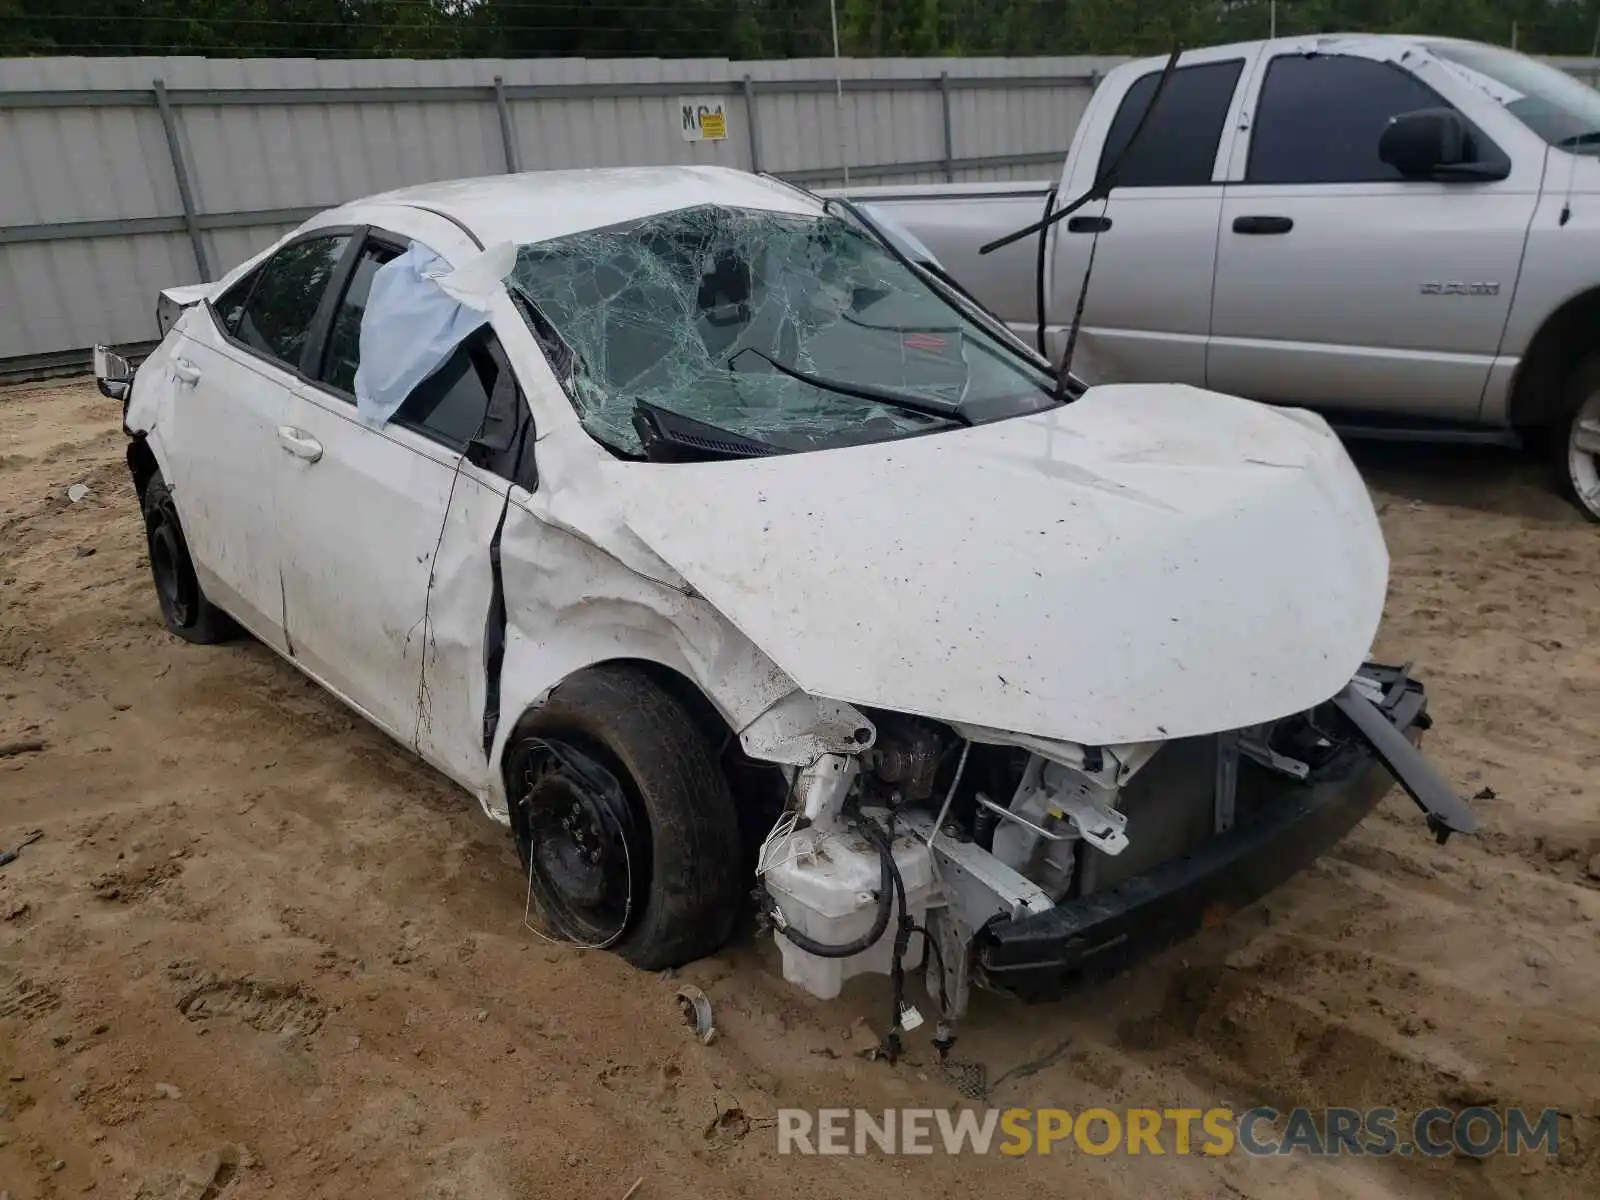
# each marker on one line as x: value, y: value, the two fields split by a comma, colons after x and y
x: 261, y: 951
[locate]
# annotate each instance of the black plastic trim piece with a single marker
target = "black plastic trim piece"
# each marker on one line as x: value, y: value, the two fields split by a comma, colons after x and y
x: 1447, y: 813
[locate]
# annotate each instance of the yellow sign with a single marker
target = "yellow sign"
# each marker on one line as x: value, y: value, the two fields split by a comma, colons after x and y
x: 703, y: 120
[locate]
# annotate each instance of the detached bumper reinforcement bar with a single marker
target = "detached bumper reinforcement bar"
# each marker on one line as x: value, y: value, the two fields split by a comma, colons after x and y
x: 1041, y: 955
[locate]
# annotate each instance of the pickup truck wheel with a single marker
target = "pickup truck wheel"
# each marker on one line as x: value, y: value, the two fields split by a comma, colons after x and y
x: 1577, y: 441
x: 184, y: 608
x: 624, y: 822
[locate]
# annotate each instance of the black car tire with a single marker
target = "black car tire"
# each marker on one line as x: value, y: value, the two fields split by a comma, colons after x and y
x: 184, y: 608
x: 612, y: 785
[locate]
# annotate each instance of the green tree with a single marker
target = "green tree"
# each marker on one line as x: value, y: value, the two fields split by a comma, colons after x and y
x: 750, y: 28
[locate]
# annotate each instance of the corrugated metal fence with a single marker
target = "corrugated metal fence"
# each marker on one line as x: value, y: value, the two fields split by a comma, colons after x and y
x: 124, y: 176
x: 119, y: 177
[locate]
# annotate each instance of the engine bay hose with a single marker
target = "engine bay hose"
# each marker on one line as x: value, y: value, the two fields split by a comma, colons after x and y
x: 886, y: 893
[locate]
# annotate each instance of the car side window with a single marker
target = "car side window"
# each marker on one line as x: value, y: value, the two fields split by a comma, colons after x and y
x: 1178, y: 146
x: 343, y: 354
x: 230, y: 305
x: 276, y: 320
x: 450, y: 405
x: 1320, y: 117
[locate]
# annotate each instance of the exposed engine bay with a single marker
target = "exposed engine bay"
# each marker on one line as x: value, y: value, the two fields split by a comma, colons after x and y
x: 929, y: 847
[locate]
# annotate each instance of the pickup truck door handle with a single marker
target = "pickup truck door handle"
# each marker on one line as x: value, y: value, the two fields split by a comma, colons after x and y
x: 1262, y: 224
x: 185, y: 370
x: 1088, y: 224
x: 299, y: 443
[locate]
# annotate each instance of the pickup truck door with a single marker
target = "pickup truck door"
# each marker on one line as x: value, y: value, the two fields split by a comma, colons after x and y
x: 1340, y: 284
x: 1154, y: 241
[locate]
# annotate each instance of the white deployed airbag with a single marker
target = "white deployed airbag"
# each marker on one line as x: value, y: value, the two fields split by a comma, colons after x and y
x: 418, y: 311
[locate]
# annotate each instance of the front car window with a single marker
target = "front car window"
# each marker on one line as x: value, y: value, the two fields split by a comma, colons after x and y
x: 450, y: 404
x: 798, y: 331
x: 343, y: 353
x: 1557, y: 107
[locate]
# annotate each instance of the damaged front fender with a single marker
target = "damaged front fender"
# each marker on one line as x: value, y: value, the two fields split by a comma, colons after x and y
x: 570, y: 606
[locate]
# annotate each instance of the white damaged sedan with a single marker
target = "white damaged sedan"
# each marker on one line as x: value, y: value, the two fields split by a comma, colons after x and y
x: 715, y: 545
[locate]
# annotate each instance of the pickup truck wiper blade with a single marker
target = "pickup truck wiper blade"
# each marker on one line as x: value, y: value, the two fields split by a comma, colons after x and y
x: 1588, y: 138
x: 906, y: 401
x: 1101, y: 187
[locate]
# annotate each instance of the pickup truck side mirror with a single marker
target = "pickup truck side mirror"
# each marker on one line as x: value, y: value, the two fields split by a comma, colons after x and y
x: 1435, y: 143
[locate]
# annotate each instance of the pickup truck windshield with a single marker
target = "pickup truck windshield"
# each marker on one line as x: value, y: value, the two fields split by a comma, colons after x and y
x: 1557, y: 107
x: 799, y: 331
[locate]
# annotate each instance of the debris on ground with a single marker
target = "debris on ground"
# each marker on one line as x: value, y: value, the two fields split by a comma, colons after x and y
x: 697, y: 1013
x: 10, y: 856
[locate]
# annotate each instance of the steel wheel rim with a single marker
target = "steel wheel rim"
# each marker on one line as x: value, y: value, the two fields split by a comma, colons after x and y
x: 1583, y: 455
x: 585, y: 847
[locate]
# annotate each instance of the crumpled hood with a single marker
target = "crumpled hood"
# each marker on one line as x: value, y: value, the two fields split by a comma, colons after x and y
x: 1151, y: 561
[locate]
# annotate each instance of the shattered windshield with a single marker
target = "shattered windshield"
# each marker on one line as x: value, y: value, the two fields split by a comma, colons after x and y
x: 796, y: 331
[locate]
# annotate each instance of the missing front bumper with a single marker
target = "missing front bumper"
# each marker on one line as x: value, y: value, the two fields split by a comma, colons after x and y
x: 1041, y: 954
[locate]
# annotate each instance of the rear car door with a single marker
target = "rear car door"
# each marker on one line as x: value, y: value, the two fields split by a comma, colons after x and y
x: 234, y: 366
x: 1153, y: 242
x: 1342, y: 285
x: 369, y: 514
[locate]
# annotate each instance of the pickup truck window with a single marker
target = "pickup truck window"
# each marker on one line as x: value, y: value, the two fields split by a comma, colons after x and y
x: 1178, y: 147
x: 1557, y: 107
x: 1320, y: 117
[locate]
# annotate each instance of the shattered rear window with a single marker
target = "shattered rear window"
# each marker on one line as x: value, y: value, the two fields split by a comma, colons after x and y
x: 713, y: 313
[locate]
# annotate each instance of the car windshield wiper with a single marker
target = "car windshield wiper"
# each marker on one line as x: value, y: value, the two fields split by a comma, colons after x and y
x: 905, y: 401
x: 667, y: 436
x: 1587, y: 138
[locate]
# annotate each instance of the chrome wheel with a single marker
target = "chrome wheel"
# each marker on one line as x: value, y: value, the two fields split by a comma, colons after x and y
x: 1583, y: 456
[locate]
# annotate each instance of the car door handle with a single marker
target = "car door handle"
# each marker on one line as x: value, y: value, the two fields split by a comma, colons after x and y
x: 1262, y: 224
x: 185, y: 370
x: 1088, y: 224
x: 299, y: 443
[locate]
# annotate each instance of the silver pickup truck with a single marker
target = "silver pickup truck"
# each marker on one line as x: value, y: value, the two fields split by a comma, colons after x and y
x: 1399, y: 232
